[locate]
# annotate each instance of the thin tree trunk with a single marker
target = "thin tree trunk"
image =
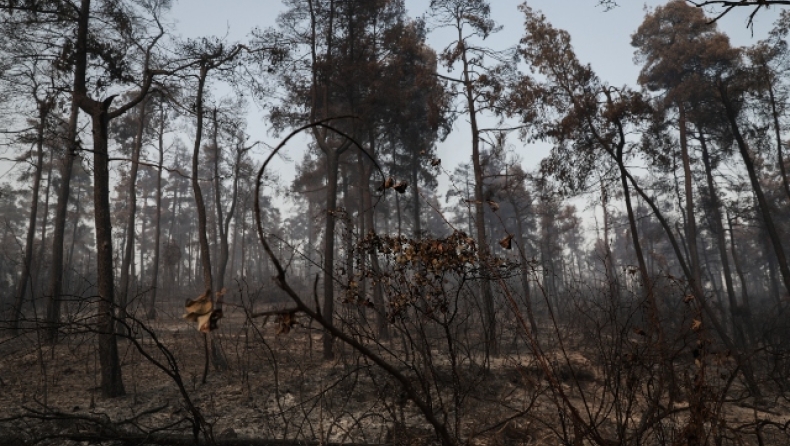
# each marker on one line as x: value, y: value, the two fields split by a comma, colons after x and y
x: 205, y: 252
x: 718, y: 230
x: 522, y: 248
x: 39, y: 263
x: 492, y: 345
x: 332, y: 157
x: 27, y: 261
x: 609, y: 261
x: 378, y: 294
x: 200, y: 205
x: 736, y: 262
x: 415, y: 167
x: 157, y: 235
x: 691, y: 220
x: 131, y: 194
x: 397, y: 208
x: 74, y: 235
x: 219, y: 226
x: 143, y: 239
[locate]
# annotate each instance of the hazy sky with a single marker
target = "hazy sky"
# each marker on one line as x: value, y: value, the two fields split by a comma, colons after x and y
x: 600, y: 37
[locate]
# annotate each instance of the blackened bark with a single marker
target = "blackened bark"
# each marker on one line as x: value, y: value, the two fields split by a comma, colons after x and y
x: 111, y: 380
x: 200, y: 205
x: 131, y: 195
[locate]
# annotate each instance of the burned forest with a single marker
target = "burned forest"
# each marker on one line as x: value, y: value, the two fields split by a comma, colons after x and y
x: 394, y: 222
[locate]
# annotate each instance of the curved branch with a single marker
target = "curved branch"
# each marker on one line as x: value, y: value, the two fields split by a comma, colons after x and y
x: 280, y: 280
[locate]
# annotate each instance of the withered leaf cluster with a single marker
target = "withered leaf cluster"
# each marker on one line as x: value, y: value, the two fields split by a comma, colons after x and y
x: 390, y: 183
x: 204, y: 311
x: 420, y: 273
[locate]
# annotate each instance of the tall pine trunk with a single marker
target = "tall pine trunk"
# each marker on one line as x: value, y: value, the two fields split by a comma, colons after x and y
x: 205, y: 252
x: 111, y: 380
x: 489, y: 321
x: 55, y: 288
x: 158, y: 228
x: 131, y: 196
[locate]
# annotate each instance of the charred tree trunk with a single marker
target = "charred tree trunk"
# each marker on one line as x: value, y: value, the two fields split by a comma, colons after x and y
x: 200, y: 205
x: 111, y: 380
x: 123, y: 291
x: 205, y: 251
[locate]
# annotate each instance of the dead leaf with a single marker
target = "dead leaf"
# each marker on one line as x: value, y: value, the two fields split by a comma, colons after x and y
x: 401, y: 187
x: 435, y: 162
x: 285, y: 321
x: 494, y: 205
x: 696, y: 325
x: 202, y: 311
x: 507, y: 242
x: 639, y: 331
x: 688, y: 299
x: 212, y: 323
x: 198, y: 307
x: 388, y: 183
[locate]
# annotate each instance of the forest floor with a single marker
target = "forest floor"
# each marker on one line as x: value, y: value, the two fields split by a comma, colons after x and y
x: 277, y: 386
